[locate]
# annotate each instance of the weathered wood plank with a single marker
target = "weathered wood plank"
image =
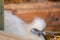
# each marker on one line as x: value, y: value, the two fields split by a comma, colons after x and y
x: 9, y: 36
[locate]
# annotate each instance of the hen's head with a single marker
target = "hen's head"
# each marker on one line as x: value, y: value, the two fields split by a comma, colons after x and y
x: 38, y: 24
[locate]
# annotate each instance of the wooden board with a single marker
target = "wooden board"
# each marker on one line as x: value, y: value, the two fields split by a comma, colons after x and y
x: 9, y: 36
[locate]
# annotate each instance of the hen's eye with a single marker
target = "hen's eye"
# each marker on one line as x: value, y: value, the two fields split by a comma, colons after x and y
x: 35, y: 29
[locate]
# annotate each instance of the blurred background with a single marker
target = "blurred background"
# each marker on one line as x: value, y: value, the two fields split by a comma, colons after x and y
x: 28, y: 9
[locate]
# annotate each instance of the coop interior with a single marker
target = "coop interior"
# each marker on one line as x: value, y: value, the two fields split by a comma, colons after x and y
x: 27, y: 10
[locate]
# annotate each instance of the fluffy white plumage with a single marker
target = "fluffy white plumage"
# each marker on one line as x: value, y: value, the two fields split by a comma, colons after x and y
x: 13, y: 24
x: 39, y: 23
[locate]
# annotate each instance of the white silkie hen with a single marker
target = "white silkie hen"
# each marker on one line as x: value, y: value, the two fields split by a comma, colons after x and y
x: 13, y: 24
